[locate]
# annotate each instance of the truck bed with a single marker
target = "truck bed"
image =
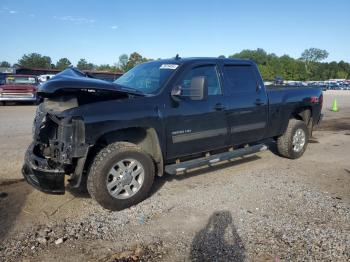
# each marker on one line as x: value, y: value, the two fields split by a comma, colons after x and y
x: 283, y: 100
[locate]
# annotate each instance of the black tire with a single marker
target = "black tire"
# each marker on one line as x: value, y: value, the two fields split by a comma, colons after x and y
x: 104, y: 161
x: 285, y: 142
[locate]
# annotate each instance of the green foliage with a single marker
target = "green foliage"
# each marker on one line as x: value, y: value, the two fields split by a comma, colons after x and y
x: 127, y: 62
x: 5, y: 64
x: 35, y: 60
x: 311, y: 57
x: 63, y: 63
x: 84, y: 65
x: 307, y: 68
x: 108, y: 68
x: 135, y: 59
x: 123, y: 61
x: 314, y: 55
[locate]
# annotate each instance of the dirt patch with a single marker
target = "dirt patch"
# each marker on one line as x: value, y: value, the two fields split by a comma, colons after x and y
x: 3, y: 194
x: 152, y: 252
x: 339, y: 124
x: 10, y: 182
x: 11, y: 205
x: 313, y: 141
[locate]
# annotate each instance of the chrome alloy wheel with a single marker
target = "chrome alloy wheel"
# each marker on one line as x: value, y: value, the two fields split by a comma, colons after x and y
x: 299, y: 140
x: 125, y: 178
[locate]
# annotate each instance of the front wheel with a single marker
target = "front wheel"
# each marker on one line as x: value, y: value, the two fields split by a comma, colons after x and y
x: 292, y: 144
x: 120, y: 176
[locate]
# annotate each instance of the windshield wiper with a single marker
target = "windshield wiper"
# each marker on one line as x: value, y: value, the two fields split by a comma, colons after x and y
x: 130, y: 90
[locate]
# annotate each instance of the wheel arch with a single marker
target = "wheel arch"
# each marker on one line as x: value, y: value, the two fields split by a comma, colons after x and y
x: 145, y: 137
x: 304, y: 114
x: 300, y: 113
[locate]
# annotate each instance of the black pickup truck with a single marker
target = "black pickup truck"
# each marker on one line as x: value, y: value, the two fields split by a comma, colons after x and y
x: 165, y: 116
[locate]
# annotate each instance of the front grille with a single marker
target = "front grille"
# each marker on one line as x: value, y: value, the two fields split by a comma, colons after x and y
x: 15, y: 95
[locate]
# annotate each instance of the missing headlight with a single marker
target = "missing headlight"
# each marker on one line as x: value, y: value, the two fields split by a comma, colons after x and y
x: 60, y: 103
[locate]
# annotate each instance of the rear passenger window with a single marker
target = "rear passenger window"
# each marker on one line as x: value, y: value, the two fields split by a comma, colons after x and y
x: 240, y: 78
x: 211, y: 75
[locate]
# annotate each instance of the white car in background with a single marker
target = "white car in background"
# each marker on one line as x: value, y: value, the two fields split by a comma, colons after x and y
x: 44, y: 78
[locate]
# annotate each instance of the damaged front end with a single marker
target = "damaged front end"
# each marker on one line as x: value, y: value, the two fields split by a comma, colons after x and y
x: 58, y: 147
x: 59, y: 144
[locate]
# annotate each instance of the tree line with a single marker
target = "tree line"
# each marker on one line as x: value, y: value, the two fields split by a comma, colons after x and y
x: 308, y: 67
x: 35, y: 60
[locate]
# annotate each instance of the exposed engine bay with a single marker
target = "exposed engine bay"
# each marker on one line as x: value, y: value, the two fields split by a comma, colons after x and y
x: 59, y: 146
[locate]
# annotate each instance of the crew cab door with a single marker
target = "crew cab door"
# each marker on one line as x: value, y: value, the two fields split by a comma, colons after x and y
x: 247, y: 106
x: 197, y: 126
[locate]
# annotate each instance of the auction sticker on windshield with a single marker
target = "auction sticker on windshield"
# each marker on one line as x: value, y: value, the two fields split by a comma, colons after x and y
x: 169, y: 66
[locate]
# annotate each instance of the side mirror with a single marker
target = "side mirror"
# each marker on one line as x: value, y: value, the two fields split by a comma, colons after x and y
x: 199, y: 88
x: 176, y: 91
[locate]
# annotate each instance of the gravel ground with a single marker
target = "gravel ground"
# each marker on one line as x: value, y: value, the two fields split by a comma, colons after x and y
x: 258, y: 208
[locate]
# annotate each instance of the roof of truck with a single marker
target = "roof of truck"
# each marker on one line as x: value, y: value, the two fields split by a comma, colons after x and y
x: 185, y: 60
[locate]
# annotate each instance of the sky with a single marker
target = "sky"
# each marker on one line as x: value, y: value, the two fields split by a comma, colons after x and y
x: 100, y: 31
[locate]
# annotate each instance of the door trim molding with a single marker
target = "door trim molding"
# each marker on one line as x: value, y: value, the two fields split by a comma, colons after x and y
x: 198, y: 135
x: 248, y: 127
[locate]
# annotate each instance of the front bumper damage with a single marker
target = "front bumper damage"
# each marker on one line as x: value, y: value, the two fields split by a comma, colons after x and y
x: 38, y: 173
x: 58, y: 149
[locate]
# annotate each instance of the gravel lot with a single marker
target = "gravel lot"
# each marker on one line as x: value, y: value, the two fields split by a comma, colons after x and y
x: 256, y: 208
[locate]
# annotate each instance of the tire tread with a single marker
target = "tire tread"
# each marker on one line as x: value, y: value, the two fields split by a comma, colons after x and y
x: 99, y: 161
x: 284, y: 142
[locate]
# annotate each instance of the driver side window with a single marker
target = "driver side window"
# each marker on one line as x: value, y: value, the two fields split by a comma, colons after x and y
x: 211, y: 75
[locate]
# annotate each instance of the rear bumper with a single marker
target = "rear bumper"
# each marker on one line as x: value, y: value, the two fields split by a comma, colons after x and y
x: 38, y: 173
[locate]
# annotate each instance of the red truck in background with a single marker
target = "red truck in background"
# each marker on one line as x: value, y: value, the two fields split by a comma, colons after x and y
x: 19, y: 88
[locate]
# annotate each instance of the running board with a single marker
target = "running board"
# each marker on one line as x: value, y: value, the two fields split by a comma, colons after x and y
x: 207, y: 161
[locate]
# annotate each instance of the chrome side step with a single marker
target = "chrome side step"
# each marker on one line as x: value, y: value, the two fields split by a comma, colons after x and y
x: 208, y: 161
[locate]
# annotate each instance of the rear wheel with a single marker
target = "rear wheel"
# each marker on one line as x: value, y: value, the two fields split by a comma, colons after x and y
x: 120, y: 176
x: 292, y: 144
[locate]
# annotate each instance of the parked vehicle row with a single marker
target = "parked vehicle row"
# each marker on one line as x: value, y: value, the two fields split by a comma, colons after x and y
x: 324, y: 85
x: 44, y: 78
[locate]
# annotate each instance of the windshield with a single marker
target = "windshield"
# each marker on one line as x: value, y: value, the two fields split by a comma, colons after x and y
x: 13, y: 80
x: 147, y: 78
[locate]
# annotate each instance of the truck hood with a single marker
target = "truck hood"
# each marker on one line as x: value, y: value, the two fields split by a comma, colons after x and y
x: 72, y: 88
x: 72, y: 80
